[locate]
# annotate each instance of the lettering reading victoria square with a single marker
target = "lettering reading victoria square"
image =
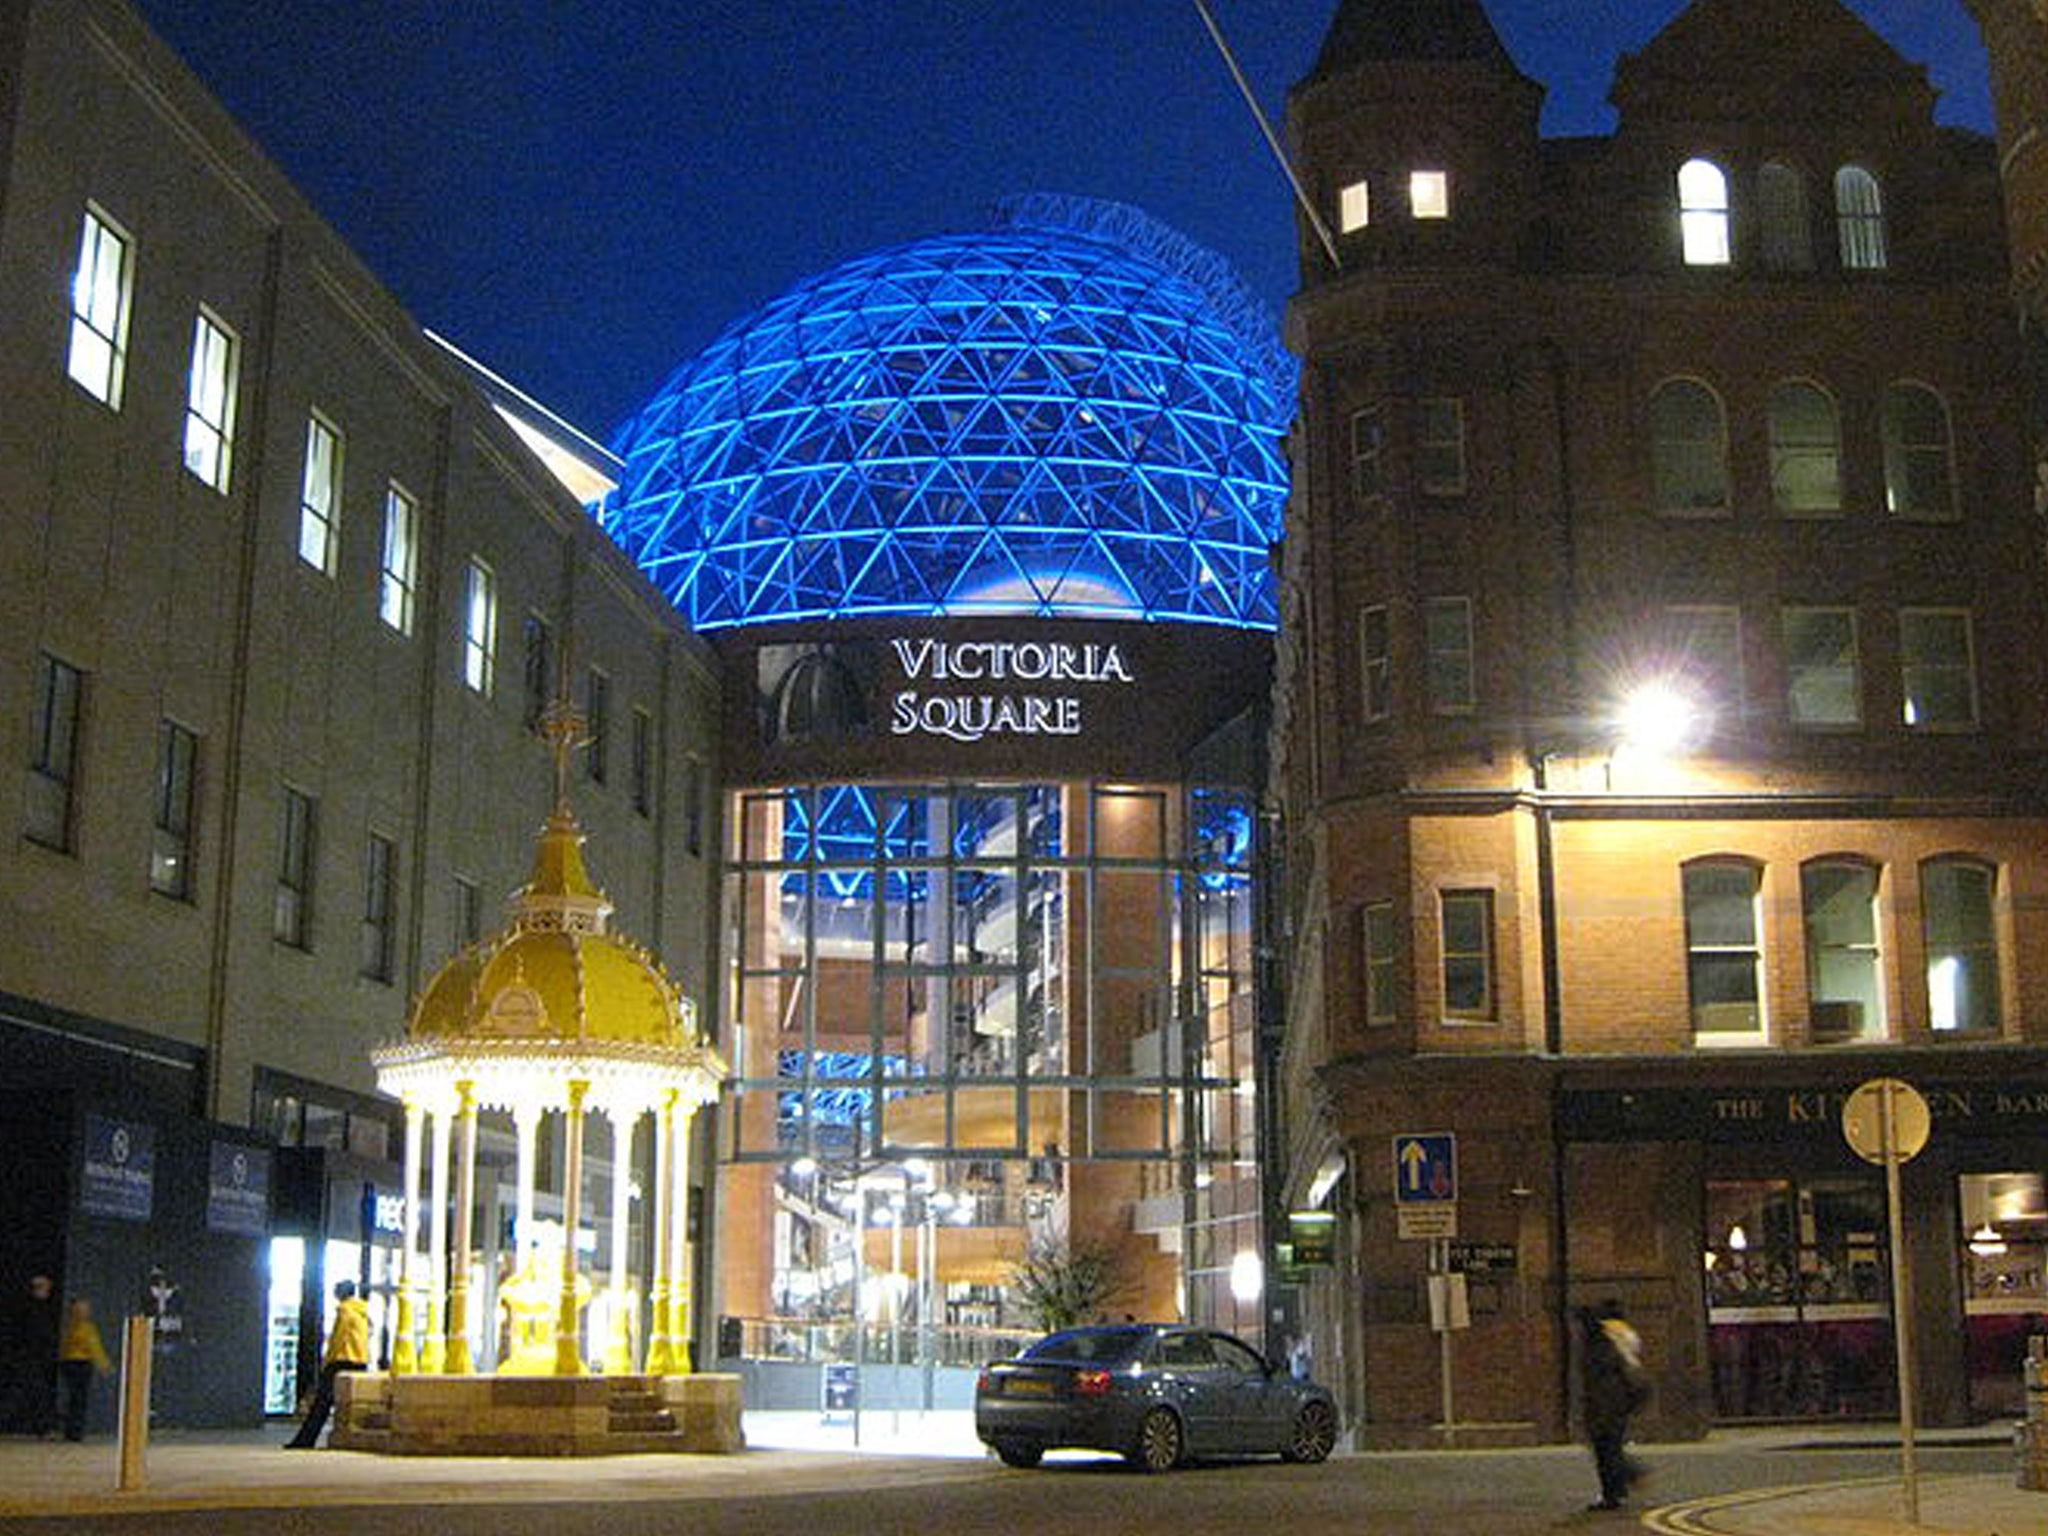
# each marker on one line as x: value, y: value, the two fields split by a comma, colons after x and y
x: 971, y: 716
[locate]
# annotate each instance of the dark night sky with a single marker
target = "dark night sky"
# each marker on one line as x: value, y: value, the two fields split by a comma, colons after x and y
x: 582, y: 192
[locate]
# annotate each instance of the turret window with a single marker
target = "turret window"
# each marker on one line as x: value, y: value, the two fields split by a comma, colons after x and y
x: 1703, y: 213
x: 1354, y: 208
x: 1429, y: 194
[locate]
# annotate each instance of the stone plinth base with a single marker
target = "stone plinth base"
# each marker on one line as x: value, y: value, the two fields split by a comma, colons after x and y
x: 536, y: 1415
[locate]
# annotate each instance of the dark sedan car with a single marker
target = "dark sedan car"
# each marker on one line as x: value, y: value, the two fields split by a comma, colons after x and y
x: 1154, y: 1393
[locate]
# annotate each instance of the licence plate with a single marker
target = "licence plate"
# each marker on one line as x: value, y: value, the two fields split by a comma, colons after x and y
x: 1027, y: 1386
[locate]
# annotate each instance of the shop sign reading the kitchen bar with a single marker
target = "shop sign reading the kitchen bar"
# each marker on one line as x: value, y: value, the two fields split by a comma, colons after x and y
x: 971, y: 689
x: 1736, y: 1114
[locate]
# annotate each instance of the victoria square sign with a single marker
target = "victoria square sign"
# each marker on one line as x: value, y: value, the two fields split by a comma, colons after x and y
x: 968, y: 690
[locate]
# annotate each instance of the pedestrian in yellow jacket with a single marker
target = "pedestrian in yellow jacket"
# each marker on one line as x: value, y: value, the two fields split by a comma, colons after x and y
x: 348, y: 1349
x: 81, y: 1354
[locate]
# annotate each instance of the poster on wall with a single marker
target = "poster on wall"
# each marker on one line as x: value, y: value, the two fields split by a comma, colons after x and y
x: 238, y: 1190
x: 119, y: 1175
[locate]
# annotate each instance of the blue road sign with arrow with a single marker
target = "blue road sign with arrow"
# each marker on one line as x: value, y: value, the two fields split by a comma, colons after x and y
x: 1426, y: 1168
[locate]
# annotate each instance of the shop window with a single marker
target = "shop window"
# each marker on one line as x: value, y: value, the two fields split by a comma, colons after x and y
x: 1798, y: 1298
x: 1468, y: 976
x: 1703, y: 213
x: 1937, y: 669
x: 1806, y: 450
x: 1382, y: 962
x: 1859, y: 219
x: 1844, y: 976
x: 1960, y: 930
x: 1724, y: 954
x: 1919, y: 454
x: 1823, y: 682
x: 1688, y: 449
x: 2004, y: 1255
x: 1781, y: 207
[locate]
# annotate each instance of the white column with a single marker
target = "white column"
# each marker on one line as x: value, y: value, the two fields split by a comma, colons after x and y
x: 679, y: 1243
x: 436, y: 1356
x: 660, y: 1356
x: 404, y: 1357
x: 569, y: 1323
x: 459, y: 1362
x: 618, y: 1354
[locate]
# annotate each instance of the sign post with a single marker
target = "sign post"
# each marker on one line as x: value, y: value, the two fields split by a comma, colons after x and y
x: 1426, y: 1206
x: 1886, y: 1121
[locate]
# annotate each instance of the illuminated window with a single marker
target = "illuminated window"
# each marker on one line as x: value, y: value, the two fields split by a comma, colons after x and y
x: 1376, y: 663
x: 1429, y: 194
x: 1959, y: 926
x: 1440, y: 446
x: 1703, y: 213
x: 1859, y: 219
x: 101, y: 291
x: 1919, y: 462
x: 320, y: 496
x: 1937, y: 669
x: 291, y: 911
x: 1823, y: 682
x: 53, y: 755
x: 210, y: 402
x: 1786, y: 230
x: 380, y: 928
x: 170, y: 846
x: 1368, y: 438
x: 1724, y: 956
x: 1382, y: 963
x: 1354, y: 208
x: 400, y: 574
x: 1447, y: 638
x: 480, y: 628
x: 1688, y: 448
x: 1468, y: 954
x: 1844, y: 973
x: 1806, y: 450
x: 597, y: 711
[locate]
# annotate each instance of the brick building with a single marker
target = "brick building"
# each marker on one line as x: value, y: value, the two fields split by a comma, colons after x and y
x: 1715, y: 423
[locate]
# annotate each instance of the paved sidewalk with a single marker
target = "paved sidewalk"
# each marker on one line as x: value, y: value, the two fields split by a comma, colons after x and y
x: 1979, y: 1505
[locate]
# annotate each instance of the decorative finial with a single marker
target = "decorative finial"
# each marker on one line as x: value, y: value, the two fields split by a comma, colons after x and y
x: 563, y: 727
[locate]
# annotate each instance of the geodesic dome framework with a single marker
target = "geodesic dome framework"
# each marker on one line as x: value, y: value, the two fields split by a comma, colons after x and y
x: 1072, y: 413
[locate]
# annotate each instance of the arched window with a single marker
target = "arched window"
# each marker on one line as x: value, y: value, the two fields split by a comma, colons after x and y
x: 1918, y: 453
x: 1844, y: 970
x: 1806, y: 449
x: 1688, y: 448
x: 1781, y: 209
x: 1703, y: 213
x: 1959, y: 925
x: 1859, y: 219
x: 1724, y: 951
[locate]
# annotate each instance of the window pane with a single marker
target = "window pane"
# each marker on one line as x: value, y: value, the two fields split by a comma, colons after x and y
x: 1448, y: 635
x: 320, y: 496
x: 1843, y: 974
x: 479, y: 628
x: 1822, y: 678
x: 209, y: 403
x: 170, y: 854
x: 1806, y: 460
x: 1372, y: 650
x: 1688, y: 448
x: 1917, y: 458
x: 1859, y: 216
x: 1367, y: 438
x: 1354, y: 208
x: 1703, y: 213
x: 1787, y: 236
x: 99, y: 310
x: 1723, y: 963
x: 1937, y: 675
x: 1958, y: 925
x: 1429, y: 194
x: 1720, y: 905
x: 1440, y: 447
x: 401, y: 559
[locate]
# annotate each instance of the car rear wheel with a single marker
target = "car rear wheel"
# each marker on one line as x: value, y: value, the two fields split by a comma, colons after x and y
x: 1314, y: 1435
x: 1016, y: 1454
x: 1159, y: 1446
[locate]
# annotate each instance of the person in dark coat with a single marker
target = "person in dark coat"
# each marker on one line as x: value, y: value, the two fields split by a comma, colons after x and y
x: 1613, y: 1386
x: 30, y: 1388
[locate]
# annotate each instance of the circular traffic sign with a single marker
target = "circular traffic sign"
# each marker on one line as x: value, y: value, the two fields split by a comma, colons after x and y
x: 1886, y: 1120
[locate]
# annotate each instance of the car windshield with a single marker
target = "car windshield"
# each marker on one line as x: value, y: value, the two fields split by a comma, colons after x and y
x: 1104, y: 1346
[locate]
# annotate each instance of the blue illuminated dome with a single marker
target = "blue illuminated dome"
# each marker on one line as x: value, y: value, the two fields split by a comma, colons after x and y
x: 1074, y: 412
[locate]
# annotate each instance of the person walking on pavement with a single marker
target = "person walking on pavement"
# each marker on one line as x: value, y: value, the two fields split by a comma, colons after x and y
x: 1614, y: 1386
x: 32, y: 1327
x: 81, y: 1355
x: 348, y: 1349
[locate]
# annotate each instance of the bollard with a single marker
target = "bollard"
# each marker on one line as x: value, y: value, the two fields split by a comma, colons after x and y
x: 136, y: 1340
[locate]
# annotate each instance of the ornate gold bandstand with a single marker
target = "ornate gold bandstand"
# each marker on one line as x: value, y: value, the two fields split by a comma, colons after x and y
x: 553, y: 1013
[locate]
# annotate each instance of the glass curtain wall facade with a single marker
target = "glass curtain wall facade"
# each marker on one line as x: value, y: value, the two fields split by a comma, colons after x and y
x: 972, y: 1020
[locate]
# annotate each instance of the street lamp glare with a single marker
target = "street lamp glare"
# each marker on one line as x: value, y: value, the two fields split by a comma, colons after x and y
x: 1658, y: 718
